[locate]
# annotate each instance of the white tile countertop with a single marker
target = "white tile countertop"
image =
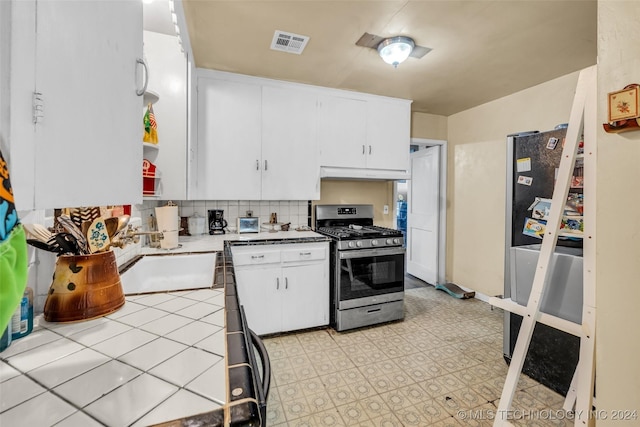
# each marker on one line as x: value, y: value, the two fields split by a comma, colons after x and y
x: 208, y: 243
x: 140, y: 365
x: 158, y: 358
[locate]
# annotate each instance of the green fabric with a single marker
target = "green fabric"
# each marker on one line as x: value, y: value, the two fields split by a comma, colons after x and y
x: 13, y: 273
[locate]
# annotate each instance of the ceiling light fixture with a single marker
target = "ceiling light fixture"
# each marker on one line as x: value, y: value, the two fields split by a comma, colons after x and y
x: 395, y: 50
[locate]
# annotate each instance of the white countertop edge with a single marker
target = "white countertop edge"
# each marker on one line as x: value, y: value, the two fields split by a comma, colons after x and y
x: 211, y: 243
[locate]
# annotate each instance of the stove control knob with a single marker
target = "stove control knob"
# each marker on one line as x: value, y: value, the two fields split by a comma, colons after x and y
x: 396, y: 241
x: 389, y: 241
x: 352, y: 244
x: 359, y: 243
x: 374, y: 243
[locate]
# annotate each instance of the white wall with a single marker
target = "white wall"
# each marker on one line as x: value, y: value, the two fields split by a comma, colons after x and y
x: 617, y: 234
x: 477, y: 176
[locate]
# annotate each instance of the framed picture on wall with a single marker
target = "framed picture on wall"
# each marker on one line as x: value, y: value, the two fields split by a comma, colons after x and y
x: 623, y: 104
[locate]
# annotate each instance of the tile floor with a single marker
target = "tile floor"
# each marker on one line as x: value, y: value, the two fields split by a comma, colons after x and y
x: 158, y: 358
x: 445, y: 357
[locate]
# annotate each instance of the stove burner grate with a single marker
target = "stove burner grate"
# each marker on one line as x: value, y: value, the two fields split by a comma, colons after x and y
x: 345, y: 232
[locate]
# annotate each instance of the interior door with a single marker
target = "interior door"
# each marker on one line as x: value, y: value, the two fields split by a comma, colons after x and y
x: 423, y: 220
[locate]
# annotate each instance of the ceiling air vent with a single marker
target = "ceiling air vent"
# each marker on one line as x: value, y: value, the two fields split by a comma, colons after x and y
x: 289, y: 42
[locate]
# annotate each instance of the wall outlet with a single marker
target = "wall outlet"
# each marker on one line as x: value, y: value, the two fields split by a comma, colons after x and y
x: 385, y: 209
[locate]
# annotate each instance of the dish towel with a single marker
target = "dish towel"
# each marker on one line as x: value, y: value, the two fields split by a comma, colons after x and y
x: 13, y: 251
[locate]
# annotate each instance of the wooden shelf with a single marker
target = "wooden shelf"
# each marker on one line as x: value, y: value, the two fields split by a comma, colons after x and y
x: 622, y: 126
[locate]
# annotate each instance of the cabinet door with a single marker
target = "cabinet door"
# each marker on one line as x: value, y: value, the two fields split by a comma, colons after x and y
x: 289, y: 145
x: 17, y: 56
x: 88, y: 149
x: 228, y: 143
x: 259, y: 293
x: 305, y: 296
x: 342, y: 132
x: 388, y: 135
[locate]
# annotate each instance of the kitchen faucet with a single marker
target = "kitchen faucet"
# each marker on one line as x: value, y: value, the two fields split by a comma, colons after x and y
x: 132, y: 235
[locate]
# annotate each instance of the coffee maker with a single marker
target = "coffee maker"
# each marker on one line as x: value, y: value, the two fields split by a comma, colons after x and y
x: 217, y: 223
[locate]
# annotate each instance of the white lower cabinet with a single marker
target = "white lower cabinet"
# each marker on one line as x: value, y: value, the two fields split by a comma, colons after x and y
x: 283, y: 287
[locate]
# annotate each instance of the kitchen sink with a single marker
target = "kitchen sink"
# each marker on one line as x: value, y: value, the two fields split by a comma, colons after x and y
x: 157, y: 273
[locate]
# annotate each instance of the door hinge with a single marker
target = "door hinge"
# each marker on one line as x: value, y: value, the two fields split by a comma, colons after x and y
x: 38, y: 107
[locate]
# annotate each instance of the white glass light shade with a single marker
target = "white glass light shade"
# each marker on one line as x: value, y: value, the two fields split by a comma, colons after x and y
x: 395, y: 50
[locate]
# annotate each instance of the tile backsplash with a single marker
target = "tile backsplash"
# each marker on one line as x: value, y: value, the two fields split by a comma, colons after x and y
x: 297, y: 212
x: 42, y: 264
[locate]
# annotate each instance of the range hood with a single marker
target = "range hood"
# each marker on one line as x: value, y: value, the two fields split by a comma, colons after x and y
x: 363, y: 173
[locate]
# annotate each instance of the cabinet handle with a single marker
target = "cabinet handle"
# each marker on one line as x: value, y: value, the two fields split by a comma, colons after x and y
x: 305, y: 253
x: 277, y: 283
x: 141, y: 61
x: 38, y: 106
x: 363, y: 149
x: 369, y: 149
x: 286, y: 283
x: 257, y: 165
x: 257, y: 256
x: 265, y: 165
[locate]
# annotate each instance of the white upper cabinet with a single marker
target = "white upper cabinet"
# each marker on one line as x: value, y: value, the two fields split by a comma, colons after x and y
x: 364, y: 137
x: 342, y: 131
x: 388, y: 135
x: 289, y: 145
x: 255, y: 142
x: 87, y: 143
x: 228, y: 157
x: 261, y: 139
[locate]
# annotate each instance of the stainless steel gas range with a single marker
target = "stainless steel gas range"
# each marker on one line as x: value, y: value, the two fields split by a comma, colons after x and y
x: 367, y: 266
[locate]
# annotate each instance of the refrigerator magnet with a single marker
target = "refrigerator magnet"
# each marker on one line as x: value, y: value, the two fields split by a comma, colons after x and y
x: 523, y: 164
x: 552, y: 143
x: 525, y: 180
x: 540, y: 208
x: 534, y: 228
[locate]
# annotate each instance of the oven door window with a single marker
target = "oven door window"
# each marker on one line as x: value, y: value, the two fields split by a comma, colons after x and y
x: 370, y: 275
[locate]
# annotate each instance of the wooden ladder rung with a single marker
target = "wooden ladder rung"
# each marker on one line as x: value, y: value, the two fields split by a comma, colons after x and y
x: 567, y: 326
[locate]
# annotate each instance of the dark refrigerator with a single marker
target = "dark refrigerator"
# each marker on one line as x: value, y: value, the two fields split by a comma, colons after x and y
x: 532, y: 162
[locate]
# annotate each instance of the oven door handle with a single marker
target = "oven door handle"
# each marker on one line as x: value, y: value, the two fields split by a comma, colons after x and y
x: 362, y: 253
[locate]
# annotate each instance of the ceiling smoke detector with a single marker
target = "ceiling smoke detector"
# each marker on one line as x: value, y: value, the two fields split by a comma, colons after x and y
x: 289, y: 42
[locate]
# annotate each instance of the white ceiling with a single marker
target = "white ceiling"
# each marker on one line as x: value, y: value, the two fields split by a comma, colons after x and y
x: 482, y: 50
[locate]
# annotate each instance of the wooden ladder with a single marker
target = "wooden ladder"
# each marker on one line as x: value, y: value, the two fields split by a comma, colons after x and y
x: 583, y: 118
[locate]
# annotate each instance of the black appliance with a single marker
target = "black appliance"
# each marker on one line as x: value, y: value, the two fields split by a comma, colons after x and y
x: 367, y: 267
x: 217, y: 223
x: 532, y: 162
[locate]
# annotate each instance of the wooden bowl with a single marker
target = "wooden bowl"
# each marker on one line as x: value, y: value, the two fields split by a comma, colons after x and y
x: 84, y: 287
